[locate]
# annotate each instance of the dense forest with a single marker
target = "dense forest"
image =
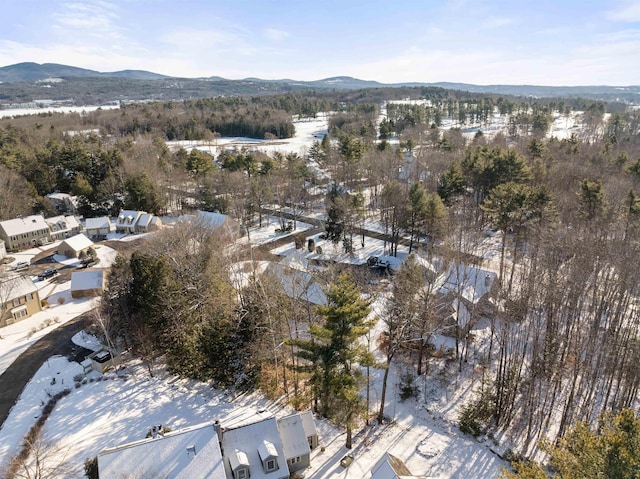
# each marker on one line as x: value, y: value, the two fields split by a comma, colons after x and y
x: 565, y: 325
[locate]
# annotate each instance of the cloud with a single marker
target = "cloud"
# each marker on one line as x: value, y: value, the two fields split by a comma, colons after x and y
x: 628, y: 12
x: 95, y: 18
x: 497, y: 22
x: 276, y: 35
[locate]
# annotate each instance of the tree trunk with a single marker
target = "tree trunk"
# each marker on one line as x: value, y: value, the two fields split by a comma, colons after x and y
x: 383, y: 394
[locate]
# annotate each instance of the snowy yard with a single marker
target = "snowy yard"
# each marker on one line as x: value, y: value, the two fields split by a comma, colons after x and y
x: 121, y: 407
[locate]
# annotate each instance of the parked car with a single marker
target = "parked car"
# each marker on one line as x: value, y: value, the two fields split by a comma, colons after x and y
x: 20, y: 265
x: 47, y: 273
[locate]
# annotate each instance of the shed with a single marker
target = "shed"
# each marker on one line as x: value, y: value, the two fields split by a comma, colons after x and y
x: 87, y: 284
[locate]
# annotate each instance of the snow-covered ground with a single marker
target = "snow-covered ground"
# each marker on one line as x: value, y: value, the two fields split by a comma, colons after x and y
x: 120, y: 407
x: 307, y: 131
x: 17, y: 337
x: 10, y: 112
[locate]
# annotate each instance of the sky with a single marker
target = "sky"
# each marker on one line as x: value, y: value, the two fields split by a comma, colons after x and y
x: 539, y: 42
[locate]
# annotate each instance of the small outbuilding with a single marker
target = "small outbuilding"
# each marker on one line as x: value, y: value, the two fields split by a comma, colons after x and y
x: 87, y: 284
x: 72, y: 247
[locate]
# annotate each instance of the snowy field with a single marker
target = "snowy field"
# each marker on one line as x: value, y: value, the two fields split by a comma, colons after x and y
x: 13, y: 112
x: 307, y: 131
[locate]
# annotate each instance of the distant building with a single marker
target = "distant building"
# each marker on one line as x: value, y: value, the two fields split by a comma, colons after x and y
x: 27, y: 232
x: 63, y: 226
x: 64, y: 202
x: 19, y: 300
x: 127, y: 220
x: 147, y: 223
x: 99, y: 228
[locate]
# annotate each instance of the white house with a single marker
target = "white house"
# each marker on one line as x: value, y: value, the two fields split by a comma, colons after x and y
x: 127, y: 220
x: 147, y: 222
x: 254, y: 451
x: 99, y: 227
x: 63, y: 226
x: 63, y: 202
x: 192, y: 452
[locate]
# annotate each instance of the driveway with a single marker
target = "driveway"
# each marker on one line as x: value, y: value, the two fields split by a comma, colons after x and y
x: 20, y: 372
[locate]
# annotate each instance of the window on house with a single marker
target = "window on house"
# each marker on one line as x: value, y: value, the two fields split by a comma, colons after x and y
x: 271, y: 465
x: 242, y: 473
x: 29, y: 296
x: 16, y: 302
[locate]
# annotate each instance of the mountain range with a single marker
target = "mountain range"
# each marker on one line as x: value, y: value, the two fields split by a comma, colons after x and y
x: 12, y: 76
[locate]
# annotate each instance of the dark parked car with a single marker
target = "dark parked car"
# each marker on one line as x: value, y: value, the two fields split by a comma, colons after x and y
x: 47, y: 273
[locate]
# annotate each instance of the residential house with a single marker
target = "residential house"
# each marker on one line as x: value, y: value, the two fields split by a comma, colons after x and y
x: 27, y: 232
x: 297, y: 283
x: 254, y: 451
x: 99, y: 228
x: 87, y: 284
x: 147, y: 223
x: 299, y: 437
x: 72, y: 247
x: 465, y: 292
x: 63, y: 226
x: 63, y: 202
x: 127, y: 220
x: 3, y: 249
x: 218, y: 221
x: 266, y: 449
x: 390, y: 467
x: 192, y: 452
x: 19, y: 299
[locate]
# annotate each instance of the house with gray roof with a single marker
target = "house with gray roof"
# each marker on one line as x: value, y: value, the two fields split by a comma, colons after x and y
x: 127, y: 220
x: 98, y: 228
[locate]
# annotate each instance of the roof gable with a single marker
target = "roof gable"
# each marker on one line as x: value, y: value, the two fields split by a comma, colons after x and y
x: 77, y: 242
x: 294, y: 437
x: 250, y: 439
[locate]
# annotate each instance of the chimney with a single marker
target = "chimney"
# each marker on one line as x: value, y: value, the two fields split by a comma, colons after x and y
x: 217, y: 427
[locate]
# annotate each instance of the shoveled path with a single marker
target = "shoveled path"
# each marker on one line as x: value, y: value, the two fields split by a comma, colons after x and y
x: 20, y: 372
